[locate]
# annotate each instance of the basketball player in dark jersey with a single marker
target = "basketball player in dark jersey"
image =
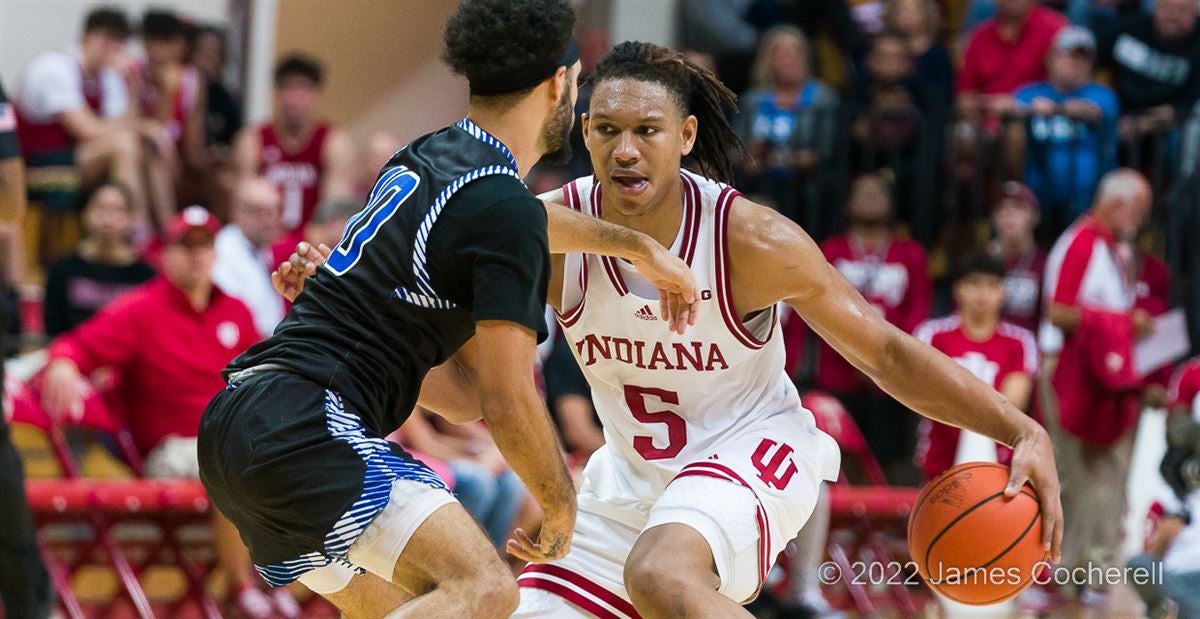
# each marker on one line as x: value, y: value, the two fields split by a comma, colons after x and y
x: 435, y: 295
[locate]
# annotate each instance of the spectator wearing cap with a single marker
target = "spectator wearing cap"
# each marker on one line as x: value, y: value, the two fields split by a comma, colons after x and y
x: 1071, y: 137
x: 78, y: 128
x: 1091, y: 327
x: 999, y: 353
x: 1155, y: 60
x: 1014, y: 218
x: 169, y: 340
x: 1183, y: 392
x: 105, y: 266
x: 244, y: 258
x: 1006, y: 52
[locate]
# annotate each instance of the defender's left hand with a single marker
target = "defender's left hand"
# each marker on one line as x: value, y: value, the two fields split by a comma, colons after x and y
x: 1033, y: 461
x: 677, y: 295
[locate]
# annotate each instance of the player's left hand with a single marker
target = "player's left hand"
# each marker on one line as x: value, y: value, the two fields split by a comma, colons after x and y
x: 678, y: 298
x: 1033, y: 462
x: 288, y: 279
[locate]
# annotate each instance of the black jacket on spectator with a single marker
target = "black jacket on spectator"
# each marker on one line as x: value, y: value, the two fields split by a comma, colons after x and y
x: 223, y: 118
x: 1148, y: 71
x: 77, y: 288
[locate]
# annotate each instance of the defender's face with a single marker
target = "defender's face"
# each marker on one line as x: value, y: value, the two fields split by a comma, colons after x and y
x: 637, y: 138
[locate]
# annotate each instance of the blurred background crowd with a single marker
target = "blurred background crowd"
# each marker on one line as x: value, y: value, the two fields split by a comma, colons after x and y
x: 1015, y: 182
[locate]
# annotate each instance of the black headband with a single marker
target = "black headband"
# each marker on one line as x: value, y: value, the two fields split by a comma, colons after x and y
x: 516, y: 81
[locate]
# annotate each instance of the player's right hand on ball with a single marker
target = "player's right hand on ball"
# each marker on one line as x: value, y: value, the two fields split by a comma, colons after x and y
x: 554, y: 542
x: 288, y: 279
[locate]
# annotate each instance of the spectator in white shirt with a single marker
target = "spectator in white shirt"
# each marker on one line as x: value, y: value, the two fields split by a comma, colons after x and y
x: 244, y: 260
x: 76, y: 117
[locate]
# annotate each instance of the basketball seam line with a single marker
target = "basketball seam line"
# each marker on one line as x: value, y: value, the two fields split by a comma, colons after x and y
x: 950, y: 524
x: 937, y: 482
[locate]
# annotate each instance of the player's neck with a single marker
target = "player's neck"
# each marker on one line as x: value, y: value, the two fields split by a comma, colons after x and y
x: 517, y: 130
x: 296, y: 135
x: 979, y: 328
x: 660, y: 219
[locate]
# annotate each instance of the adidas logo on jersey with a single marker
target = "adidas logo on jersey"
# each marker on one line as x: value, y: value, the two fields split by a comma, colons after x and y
x: 645, y: 313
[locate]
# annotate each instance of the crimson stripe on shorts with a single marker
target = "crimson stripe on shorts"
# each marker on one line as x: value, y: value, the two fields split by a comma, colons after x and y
x: 719, y: 471
x: 569, y: 595
x: 582, y: 582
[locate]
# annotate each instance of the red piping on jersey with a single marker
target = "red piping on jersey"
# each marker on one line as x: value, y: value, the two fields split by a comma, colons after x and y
x: 571, y: 316
x: 528, y: 578
x: 690, y: 225
x: 691, y: 222
x: 724, y: 289
x: 610, y: 263
x: 707, y: 468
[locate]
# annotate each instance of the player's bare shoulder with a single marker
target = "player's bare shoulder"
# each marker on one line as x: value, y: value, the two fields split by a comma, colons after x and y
x: 772, y: 258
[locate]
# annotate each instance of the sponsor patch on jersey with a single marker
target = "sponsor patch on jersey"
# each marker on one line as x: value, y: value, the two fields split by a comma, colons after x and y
x: 645, y: 313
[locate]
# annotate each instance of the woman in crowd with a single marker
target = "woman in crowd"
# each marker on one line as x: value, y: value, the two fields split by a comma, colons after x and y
x: 787, y: 121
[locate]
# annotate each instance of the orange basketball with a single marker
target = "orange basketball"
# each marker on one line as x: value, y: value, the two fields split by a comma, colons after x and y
x: 969, y: 542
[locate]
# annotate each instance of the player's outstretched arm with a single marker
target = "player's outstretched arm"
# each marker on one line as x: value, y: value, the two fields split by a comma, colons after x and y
x: 570, y: 231
x: 782, y: 263
x: 501, y: 359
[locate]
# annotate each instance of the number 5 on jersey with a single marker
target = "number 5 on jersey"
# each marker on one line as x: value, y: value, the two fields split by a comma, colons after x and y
x: 391, y: 190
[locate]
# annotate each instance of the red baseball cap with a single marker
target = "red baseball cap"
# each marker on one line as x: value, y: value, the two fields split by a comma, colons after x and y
x: 1018, y: 192
x: 191, y: 218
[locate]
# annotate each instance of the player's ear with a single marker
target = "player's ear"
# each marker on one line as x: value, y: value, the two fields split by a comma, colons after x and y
x: 559, y: 85
x: 585, y: 123
x: 688, y: 133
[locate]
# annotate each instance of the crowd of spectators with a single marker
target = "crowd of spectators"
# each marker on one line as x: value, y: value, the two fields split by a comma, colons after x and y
x: 875, y: 124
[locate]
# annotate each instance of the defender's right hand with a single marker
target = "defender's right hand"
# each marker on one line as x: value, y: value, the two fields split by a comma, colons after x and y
x: 554, y: 541
x: 678, y: 297
x: 288, y: 279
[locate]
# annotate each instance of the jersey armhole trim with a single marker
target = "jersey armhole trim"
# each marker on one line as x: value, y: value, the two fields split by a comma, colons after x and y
x: 724, y: 288
x: 571, y: 316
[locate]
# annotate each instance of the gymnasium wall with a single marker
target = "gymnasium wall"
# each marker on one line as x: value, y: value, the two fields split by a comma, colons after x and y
x: 381, y: 61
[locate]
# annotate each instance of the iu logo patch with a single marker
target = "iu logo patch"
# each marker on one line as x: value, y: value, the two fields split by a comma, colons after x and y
x: 228, y: 334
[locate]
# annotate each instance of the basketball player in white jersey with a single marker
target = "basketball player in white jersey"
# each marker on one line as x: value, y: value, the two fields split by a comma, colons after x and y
x: 711, y: 463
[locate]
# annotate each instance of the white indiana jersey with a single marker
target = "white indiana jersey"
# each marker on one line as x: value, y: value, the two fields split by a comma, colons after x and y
x: 667, y: 400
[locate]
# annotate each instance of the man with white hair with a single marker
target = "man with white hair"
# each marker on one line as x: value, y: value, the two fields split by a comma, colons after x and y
x: 1090, y: 326
x: 244, y: 258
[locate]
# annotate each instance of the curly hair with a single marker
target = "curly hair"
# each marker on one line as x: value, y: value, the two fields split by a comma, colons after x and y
x: 695, y: 90
x: 486, y: 40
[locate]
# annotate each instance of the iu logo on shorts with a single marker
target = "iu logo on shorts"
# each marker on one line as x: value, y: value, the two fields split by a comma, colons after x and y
x: 774, y: 470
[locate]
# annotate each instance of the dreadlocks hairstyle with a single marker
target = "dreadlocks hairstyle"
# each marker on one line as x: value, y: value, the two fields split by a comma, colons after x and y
x: 695, y: 90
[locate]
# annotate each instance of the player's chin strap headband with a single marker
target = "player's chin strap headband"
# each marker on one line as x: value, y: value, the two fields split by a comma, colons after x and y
x: 523, y: 79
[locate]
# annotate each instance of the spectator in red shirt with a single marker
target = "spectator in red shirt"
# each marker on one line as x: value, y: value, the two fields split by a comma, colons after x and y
x: 169, y: 340
x: 1091, y: 300
x: 1005, y: 53
x: 891, y: 273
x: 1151, y: 281
x: 1014, y: 219
x: 999, y: 353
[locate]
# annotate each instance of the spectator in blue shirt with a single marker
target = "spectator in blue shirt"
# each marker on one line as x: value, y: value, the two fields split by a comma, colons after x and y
x: 787, y: 121
x: 1071, y: 137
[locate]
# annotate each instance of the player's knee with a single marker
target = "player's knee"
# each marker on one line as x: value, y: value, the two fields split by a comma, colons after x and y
x: 650, y: 577
x: 496, y: 594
